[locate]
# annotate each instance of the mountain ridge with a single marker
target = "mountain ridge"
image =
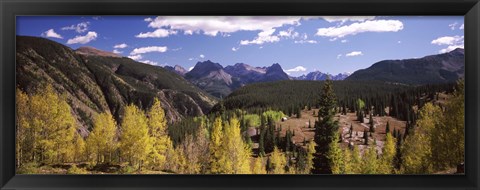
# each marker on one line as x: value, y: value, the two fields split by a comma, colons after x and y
x: 431, y: 69
x: 96, y: 84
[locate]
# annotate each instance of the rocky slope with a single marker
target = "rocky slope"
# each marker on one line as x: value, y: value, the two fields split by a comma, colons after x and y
x: 95, y: 82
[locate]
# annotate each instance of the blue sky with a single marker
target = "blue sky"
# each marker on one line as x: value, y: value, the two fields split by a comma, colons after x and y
x: 331, y: 44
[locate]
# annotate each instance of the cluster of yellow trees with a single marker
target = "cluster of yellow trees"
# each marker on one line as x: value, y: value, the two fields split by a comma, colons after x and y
x: 46, y: 134
x: 438, y: 140
x: 351, y: 161
x: 436, y: 143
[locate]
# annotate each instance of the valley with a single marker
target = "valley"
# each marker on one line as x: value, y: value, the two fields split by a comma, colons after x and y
x: 89, y: 111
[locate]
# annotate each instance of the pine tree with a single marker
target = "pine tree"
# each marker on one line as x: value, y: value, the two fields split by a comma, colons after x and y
x: 328, y: 100
x: 387, y: 129
x: 325, y: 128
x: 365, y: 137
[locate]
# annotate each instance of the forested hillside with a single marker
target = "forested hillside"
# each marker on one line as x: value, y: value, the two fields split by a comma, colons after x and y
x: 95, y: 82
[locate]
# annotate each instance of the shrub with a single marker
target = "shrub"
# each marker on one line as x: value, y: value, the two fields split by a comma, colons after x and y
x: 76, y: 170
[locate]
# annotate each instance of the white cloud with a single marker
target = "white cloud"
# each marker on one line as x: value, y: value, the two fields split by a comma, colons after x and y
x: 149, y: 49
x: 159, y: 33
x: 305, y: 41
x: 453, y: 25
x: 83, y: 39
x: 149, y: 62
x: 343, y: 19
x: 262, y: 37
x: 261, y: 47
x: 297, y: 69
x: 356, y: 28
x: 461, y: 27
x: 177, y: 49
x: 136, y: 57
x: 344, y: 41
x: 290, y: 33
x: 235, y: 49
x: 189, y: 69
x: 117, y: 51
x: 202, y: 56
x: 148, y: 19
x: 452, y: 42
x: 51, y: 34
x: 213, y: 25
x: 399, y: 41
x: 120, y: 46
x: 80, y: 27
x: 451, y: 48
x: 354, y: 53
x: 339, y: 55
x: 448, y: 40
x: 191, y: 59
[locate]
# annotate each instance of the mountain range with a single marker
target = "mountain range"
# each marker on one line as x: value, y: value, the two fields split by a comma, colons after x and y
x: 317, y: 75
x: 432, y: 69
x: 94, y: 81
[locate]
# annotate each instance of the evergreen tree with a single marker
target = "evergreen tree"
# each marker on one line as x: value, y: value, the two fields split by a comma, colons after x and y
x: 325, y: 128
x: 365, y: 137
x: 387, y: 129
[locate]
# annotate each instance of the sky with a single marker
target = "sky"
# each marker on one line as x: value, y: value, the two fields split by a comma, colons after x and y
x: 300, y: 44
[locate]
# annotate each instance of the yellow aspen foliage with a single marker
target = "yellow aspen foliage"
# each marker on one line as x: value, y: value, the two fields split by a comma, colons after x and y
x: 310, y: 156
x: 335, y: 155
x: 356, y: 161
x: 135, y: 143
x: 236, y: 152
x: 171, y: 156
x: 388, y: 155
x: 347, y: 162
x: 258, y: 166
x: 370, y: 162
x: 80, y: 148
x: 53, y: 126
x: 448, y: 138
x: 25, y: 141
x: 102, y: 141
x: 157, y: 127
x: 417, y: 150
x: 278, y: 161
x: 179, y: 161
x: 215, y: 146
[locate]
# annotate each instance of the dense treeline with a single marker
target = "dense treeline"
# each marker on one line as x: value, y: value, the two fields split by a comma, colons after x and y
x: 220, y: 143
x: 434, y: 143
x: 291, y: 96
x: 142, y: 143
